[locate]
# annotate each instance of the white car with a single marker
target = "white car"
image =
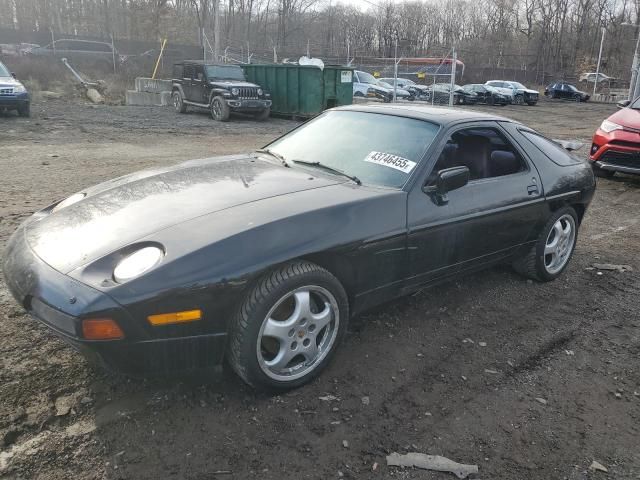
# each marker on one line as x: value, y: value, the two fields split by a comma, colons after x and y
x: 517, y: 91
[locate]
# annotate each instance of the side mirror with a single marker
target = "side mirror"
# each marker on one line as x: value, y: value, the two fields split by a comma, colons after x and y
x: 447, y: 180
x: 623, y: 103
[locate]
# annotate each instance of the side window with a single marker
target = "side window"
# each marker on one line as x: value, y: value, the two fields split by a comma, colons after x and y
x: 484, y: 151
x: 177, y: 71
x: 187, y: 72
x: 355, y: 77
x: 199, y: 73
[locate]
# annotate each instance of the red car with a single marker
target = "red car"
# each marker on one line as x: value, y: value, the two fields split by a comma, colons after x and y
x: 616, y: 143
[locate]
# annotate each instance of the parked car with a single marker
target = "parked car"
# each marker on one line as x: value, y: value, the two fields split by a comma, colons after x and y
x: 222, y: 89
x: 13, y: 94
x: 417, y: 91
x: 366, y: 85
x: 263, y: 258
x: 439, y: 94
x: 77, y: 50
x: 401, y: 93
x: 519, y: 92
x: 566, y: 91
x: 616, y: 144
x: 591, y: 77
x: 487, y: 94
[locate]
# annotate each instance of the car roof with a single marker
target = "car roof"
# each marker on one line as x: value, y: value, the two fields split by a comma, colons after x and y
x: 202, y: 62
x: 441, y: 115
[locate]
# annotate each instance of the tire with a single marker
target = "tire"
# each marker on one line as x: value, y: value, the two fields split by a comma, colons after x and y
x: 518, y: 100
x: 277, y: 303
x: 358, y: 94
x: 599, y: 172
x: 24, y: 110
x: 553, y: 249
x: 577, y: 98
x: 178, y: 103
x: 491, y: 101
x: 263, y: 116
x: 531, y: 104
x: 219, y: 109
x: 553, y: 94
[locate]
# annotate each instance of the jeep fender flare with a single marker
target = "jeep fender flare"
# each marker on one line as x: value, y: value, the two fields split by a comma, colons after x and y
x: 217, y: 92
x: 176, y: 87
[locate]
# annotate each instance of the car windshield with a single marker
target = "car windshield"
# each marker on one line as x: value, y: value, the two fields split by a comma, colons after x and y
x: 229, y: 72
x: 4, y: 72
x: 571, y: 88
x: 635, y: 104
x: 518, y: 85
x: 379, y: 149
x: 365, y: 77
x: 384, y: 84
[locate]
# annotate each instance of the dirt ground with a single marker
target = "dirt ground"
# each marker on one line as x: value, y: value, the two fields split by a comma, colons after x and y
x: 526, y: 380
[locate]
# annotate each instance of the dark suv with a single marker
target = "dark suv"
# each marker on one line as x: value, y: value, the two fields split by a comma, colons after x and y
x: 222, y: 89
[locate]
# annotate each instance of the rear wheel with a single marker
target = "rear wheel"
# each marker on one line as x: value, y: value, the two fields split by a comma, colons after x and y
x: 220, y: 111
x: 288, y: 327
x: 178, y: 103
x: 550, y: 255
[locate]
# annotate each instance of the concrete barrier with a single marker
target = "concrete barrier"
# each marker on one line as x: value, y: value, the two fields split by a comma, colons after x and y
x: 152, y: 85
x: 148, y: 99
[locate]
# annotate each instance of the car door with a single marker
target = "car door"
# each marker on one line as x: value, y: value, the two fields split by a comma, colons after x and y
x: 487, y: 219
x: 187, y: 77
x: 198, y: 84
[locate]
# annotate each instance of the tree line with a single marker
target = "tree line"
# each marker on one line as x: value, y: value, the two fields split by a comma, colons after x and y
x: 555, y: 37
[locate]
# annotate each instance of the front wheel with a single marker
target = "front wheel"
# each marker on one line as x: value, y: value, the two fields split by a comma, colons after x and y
x: 550, y: 255
x: 220, y: 111
x: 264, y: 114
x: 288, y: 327
x: 24, y: 110
x: 518, y: 100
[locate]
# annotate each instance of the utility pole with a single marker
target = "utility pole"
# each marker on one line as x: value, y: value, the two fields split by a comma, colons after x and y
x: 454, y: 62
x: 595, y: 83
x: 395, y: 69
x: 216, y: 31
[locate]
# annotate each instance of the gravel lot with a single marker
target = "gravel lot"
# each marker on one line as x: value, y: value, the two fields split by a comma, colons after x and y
x: 526, y: 380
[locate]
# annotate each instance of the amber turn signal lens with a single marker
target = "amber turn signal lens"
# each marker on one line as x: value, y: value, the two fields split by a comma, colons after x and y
x: 175, y: 317
x: 101, y: 329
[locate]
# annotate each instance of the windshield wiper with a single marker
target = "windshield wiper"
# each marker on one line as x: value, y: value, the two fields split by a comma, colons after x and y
x: 268, y: 151
x: 329, y: 169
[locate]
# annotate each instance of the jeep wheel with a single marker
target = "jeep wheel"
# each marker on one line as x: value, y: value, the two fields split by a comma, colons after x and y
x: 220, y: 111
x: 264, y: 114
x: 178, y: 104
x: 24, y: 110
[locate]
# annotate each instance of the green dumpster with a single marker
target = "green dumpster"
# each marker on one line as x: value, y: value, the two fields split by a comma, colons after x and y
x: 303, y: 90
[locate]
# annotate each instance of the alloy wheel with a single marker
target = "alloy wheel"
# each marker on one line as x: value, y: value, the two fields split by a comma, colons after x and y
x: 298, y: 333
x: 559, y: 244
x: 216, y: 109
x: 177, y: 101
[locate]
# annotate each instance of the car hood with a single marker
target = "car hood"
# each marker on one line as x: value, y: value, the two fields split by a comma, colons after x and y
x: 528, y: 90
x: 119, y: 212
x: 627, y: 117
x: 9, y: 82
x: 232, y: 83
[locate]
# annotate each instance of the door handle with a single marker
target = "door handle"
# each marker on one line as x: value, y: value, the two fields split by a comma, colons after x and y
x: 532, y: 189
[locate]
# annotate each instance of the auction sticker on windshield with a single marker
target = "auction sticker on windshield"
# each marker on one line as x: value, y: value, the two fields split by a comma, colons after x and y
x: 390, y: 160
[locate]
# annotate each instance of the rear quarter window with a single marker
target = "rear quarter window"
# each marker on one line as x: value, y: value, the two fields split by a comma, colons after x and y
x: 550, y: 149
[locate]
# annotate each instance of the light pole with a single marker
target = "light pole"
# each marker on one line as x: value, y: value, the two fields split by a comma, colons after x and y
x: 595, y: 83
x: 633, y: 84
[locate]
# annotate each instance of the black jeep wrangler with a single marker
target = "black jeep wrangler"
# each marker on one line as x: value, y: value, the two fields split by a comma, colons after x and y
x: 222, y: 89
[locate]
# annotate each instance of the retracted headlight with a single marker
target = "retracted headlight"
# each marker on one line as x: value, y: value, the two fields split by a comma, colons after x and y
x: 137, y: 263
x: 19, y: 88
x: 75, y: 198
x: 608, y: 126
x: 260, y: 92
x: 235, y: 91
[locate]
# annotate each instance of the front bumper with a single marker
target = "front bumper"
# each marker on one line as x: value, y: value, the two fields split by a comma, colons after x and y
x: 246, y: 105
x: 61, y: 303
x: 617, y: 151
x: 14, y: 101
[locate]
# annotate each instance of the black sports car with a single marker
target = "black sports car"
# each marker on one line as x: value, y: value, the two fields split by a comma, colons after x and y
x: 263, y: 258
